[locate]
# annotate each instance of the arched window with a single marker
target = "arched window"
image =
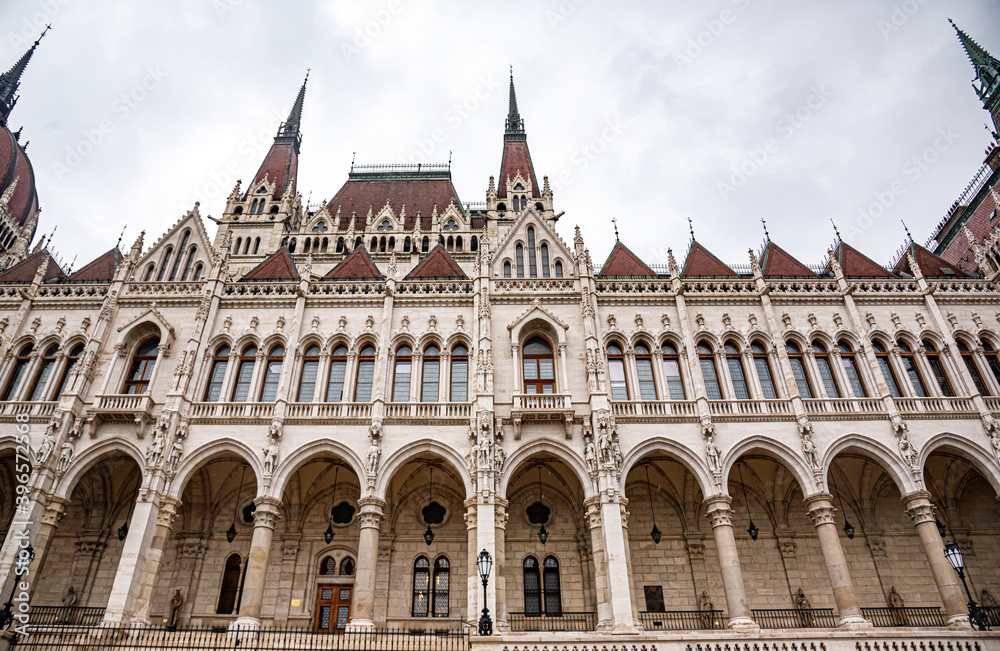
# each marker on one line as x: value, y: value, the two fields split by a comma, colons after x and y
x: 246, y: 246
x: 260, y: 208
x: 851, y: 370
x: 272, y: 374
x: 198, y: 268
x: 374, y: 246
x: 291, y: 246
x: 220, y: 362
x: 137, y: 380
x: 384, y: 226
x: 459, y: 373
x: 545, y: 260
x: 430, y: 374
x: 42, y: 379
x: 366, y: 374
x: 180, y: 249
x: 150, y: 270
x: 970, y: 363
x: 506, y: 268
x: 799, y: 369
x: 644, y: 369
x: 382, y: 244
x: 190, y: 260
x: 539, y: 367
x: 406, y: 245
x: 441, y: 587
x: 822, y: 358
x: 421, y: 587
x: 253, y: 207
x: 909, y: 361
x: 559, y: 271
x: 553, y: 596
x: 307, y: 245
x: 238, y: 210
x: 338, y: 372
x: 616, y: 372
x: 474, y: 243
x: 516, y: 202
x: 244, y: 375
x: 532, y: 586
x: 762, y: 365
x: 17, y: 375
x: 71, y: 362
x: 236, y: 247
x: 458, y: 243
x: 392, y: 243
x: 230, y: 585
x: 347, y: 566
x: 672, y: 371
x: 357, y: 242
x: 501, y: 207
x: 519, y: 260
x: 992, y: 360
x: 882, y: 357
x: 310, y: 372
x: 325, y: 245
x: 166, y: 263
x: 706, y: 359
x: 734, y: 362
x: 328, y: 566
x: 340, y: 245
x: 401, y: 377
x: 425, y: 244
x: 937, y: 368
x: 532, y: 269
x: 451, y: 243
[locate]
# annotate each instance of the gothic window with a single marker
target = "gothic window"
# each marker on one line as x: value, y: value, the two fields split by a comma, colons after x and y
x: 166, y: 263
x: 991, y: 358
x: 71, y: 361
x: 539, y: 207
x: 441, y: 586
x: 340, y: 245
x: 328, y: 566
x: 384, y: 226
x: 310, y: 371
x: 706, y: 359
x: 545, y: 260
x: 734, y: 362
x: 822, y: 358
x: 307, y: 245
x: 550, y: 578
x: 220, y: 362
x: 882, y: 357
x: 236, y: 247
x: 150, y: 270
x: 559, y: 269
x: 425, y: 245
x: 198, y: 268
x: 458, y: 243
x: 381, y: 244
x: 357, y: 242
x: 421, y: 587
x: 141, y: 370
x: 180, y: 254
x: 291, y: 246
x: 532, y: 587
x: 320, y: 227
x: 459, y: 373
x: 451, y: 243
x: 851, y: 370
x: 366, y: 374
x: 406, y: 245
x: 518, y: 187
x: 401, y: 378
x: 260, y: 207
x: 42, y: 379
x: 501, y: 207
x: 970, y: 363
x: 762, y: 365
x: 244, y: 374
x: 644, y: 369
x: 347, y: 566
x: 516, y: 202
x: 430, y: 374
x: 253, y: 207
x: 230, y: 585
x: 519, y: 260
x: 246, y: 246
x: 256, y: 245
x: 532, y: 269
x: 451, y: 225
x: 539, y: 366
x: 937, y: 368
x: 474, y: 243
x: 798, y: 364
x: 17, y: 375
x: 909, y: 361
x: 506, y: 268
x: 616, y: 373
x: 392, y: 243
x: 238, y: 210
x: 374, y: 246
x: 672, y: 371
x: 322, y: 248
x: 272, y: 374
x: 190, y: 260
x: 338, y: 373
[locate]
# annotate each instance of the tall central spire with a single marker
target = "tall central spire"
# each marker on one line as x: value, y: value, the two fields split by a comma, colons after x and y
x: 515, y: 125
x: 986, y: 65
x: 291, y: 126
x: 11, y: 80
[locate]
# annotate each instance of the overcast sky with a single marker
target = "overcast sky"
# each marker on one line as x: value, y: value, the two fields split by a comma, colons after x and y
x: 642, y: 111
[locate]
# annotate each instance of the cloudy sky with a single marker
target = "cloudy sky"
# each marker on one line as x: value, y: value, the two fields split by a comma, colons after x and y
x: 859, y: 111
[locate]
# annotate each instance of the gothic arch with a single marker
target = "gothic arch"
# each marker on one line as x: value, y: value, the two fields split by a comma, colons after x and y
x: 980, y: 459
x: 687, y: 457
x: 782, y: 453
x: 875, y: 451
x: 408, y: 452
x: 198, y: 457
x: 303, y: 455
x: 85, y: 461
x: 572, y: 460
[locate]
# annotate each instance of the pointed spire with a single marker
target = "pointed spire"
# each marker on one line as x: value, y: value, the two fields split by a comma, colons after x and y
x: 11, y: 80
x: 291, y: 126
x: 987, y: 67
x: 515, y: 125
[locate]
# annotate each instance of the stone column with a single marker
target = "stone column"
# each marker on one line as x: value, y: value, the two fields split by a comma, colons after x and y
x: 370, y: 519
x: 154, y: 558
x: 53, y: 513
x: 264, y: 519
x: 921, y: 511
x: 821, y: 511
x: 500, y: 618
x: 628, y: 564
x: 286, y: 582
x: 721, y: 516
x: 133, y: 561
x: 593, y: 506
x: 473, y: 589
x: 616, y: 560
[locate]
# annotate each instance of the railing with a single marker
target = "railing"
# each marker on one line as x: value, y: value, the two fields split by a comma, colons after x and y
x: 923, y: 405
x: 520, y: 622
x: 682, y: 620
x: 66, y: 616
x: 124, y: 402
x: 344, y: 410
x: 229, y: 410
x: 541, y: 401
x: 427, y: 410
x: 215, y: 639
x: 795, y: 618
x: 904, y: 616
x: 655, y: 408
x: 32, y: 408
x: 842, y: 405
x: 749, y: 407
x: 993, y: 404
x: 992, y: 615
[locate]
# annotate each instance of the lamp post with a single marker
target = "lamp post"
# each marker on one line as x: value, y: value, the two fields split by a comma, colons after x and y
x: 976, y: 616
x: 22, y: 562
x: 485, y: 563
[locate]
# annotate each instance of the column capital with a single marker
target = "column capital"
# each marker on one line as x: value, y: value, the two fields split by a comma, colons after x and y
x: 55, y: 509
x: 267, y: 513
x: 821, y: 509
x: 719, y: 511
x: 593, y: 511
x: 371, y: 513
x: 919, y: 507
x: 168, y: 511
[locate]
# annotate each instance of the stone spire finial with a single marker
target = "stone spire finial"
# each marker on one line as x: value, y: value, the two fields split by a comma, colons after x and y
x: 11, y: 80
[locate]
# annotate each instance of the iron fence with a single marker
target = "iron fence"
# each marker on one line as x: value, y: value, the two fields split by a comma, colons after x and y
x: 795, y: 618
x: 66, y: 615
x: 904, y: 616
x: 682, y: 620
x: 520, y: 622
x: 992, y: 615
x: 236, y: 639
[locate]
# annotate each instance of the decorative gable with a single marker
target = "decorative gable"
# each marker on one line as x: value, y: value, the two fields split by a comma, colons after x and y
x: 623, y: 263
x: 857, y: 265
x: 24, y: 271
x: 176, y: 256
x: 356, y: 266
x: 776, y: 262
x: 437, y: 265
x: 701, y: 263
x: 544, y: 234
x: 100, y: 270
x: 278, y: 266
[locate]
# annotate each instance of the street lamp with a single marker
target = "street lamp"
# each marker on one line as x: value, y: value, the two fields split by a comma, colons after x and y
x: 485, y: 564
x: 22, y: 562
x: 954, y: 555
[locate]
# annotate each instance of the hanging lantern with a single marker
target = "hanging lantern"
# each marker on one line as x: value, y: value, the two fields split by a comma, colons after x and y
x: 123, y: 531
x: 328, y: 534
x: 231, y: 531
x: 848, y: 529
x: 543, y: 535
x: 752, y: 529
x: 942, y: 529
x: 429, y: 535
x: 655, y: 533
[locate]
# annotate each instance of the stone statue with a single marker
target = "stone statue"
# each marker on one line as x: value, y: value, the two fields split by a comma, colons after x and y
x: 470, y: 458
x: 714, y: 455
x: 896, y: 599
x: 706, y: 603
x: 270, y: 457
x: 802, y: 601
x: 987, y: 600
x: 809, y: 450
x: 176, y: 450
x: 69, y: 599
x: 176, y: 603
x: 499, y: 458
x: 907, y: 452
x: 374, y: 456
x: 485, y: 454
x: 155, y: 450
x: 995, y: 441
x: 616, y: 453
x: 590, y: 454
x: 45, y: 448
x: 66, y: 452
x: 604, y: 440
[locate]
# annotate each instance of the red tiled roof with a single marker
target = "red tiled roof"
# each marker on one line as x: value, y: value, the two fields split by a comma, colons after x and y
x: 278, y: 266
x: 701, y: 263
x: 356, y: 266
x: 931, y: 266
x: 623, y: 262
x: 437, y: 264
x: 14, y: 164
x: 416, y: 195
x: 776, y: 262
x: 24, y: 271
x: 101, y: 269
x: 281, y: 166
x: 516, y: 157
x: 857, y: 265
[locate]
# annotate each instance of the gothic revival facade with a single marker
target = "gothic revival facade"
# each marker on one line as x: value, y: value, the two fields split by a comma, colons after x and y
x: 319, y: 416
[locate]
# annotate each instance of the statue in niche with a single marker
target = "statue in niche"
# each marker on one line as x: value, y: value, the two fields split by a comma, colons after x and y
x: 176, y: 603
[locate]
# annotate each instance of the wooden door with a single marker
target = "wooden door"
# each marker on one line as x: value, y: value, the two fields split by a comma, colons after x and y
x: 333, y: 608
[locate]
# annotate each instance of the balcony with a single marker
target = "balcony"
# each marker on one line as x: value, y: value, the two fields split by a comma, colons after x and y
x: 37, y: 410
x: 844, y: 408
x: 240, y: 411
x: 534, y: 622
x: 329, y: 411
x: 744, y: 410
x: 654, y: 409
x: 425, y: 412
x: 795, y: 618
x: 936, y: 407
x: 682, y: 620
x: 541, y: 407
x: 123, y: 408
